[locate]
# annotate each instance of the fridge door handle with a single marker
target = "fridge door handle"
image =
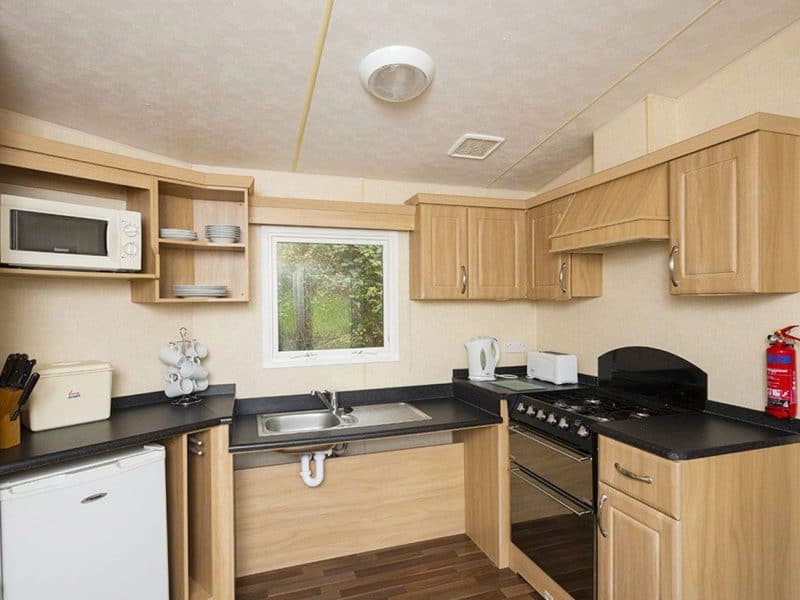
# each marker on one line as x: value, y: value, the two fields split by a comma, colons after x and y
x: 94, y: 498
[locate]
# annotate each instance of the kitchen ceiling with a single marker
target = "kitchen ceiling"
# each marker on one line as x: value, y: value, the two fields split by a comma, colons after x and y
x: 224, y: 83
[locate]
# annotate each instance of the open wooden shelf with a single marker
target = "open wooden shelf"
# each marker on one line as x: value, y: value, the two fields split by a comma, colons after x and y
x: 192, y: 207
x: 23, y: 272
x: 201, y: 245
x: 175, y: 300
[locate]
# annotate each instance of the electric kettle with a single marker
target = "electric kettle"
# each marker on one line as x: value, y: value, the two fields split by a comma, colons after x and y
x: 483, y: 354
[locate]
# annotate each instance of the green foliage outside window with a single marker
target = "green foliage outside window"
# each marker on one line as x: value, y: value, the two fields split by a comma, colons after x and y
x: 330, y: 296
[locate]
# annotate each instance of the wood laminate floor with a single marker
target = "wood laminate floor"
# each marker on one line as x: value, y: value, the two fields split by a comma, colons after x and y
x: 443, y: 569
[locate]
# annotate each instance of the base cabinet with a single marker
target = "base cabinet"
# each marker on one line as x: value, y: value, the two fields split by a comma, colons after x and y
x: 637, y: 549
x: 712, y: 528
x: 200, y: 515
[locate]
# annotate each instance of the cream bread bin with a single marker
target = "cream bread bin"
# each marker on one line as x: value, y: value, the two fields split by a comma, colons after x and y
x: 69, y: 393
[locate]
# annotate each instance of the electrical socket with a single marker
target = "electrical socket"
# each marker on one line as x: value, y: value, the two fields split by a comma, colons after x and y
x: 515, y: 347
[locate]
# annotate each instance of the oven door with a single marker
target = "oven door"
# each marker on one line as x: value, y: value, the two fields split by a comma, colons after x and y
x: 46, y: 234
x: 554, y: 531
x: 564, y: 467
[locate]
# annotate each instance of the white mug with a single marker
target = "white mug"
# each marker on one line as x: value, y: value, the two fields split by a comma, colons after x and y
x: 173, y: 374
x: 200, y: 385
x: 182, y: 387
x: 192, y: 370
x: 196, y: 349
x: 170, y: 355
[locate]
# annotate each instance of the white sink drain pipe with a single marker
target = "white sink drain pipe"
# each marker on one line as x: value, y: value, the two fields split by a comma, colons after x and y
x: 319, y: 468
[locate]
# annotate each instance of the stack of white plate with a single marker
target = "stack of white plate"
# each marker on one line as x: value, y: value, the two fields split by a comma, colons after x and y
x: 200, y: 291
x: 177, y: 234
x: 223, y: 234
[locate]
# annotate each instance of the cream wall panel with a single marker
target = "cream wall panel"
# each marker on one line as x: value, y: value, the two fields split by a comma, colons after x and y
x: 56, y: 320
x: 578, y: 171
x: 621, y: 139
x: 767, y: 79
x: 661, y: 121
x: 725, y: 336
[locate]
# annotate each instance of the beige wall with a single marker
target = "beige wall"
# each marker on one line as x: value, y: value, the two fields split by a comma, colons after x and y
x: 725, y: 336
x: 56, y: 320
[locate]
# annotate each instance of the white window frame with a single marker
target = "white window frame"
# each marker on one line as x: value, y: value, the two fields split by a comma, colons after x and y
x: 273, y: 358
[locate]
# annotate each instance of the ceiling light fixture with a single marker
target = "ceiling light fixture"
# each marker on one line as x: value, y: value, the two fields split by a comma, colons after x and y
x: 475, y: 146
x: 396, y: 73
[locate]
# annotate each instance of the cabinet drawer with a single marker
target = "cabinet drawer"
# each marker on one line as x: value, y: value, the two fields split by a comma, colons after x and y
x: 644, y: 476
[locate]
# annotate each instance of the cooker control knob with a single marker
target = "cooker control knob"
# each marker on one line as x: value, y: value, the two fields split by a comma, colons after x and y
x: 531, y: 411
x: 131, y: 230
x: 541, y: 415
x: 130, y: 249
x: 563, y: 423
x: 551, y: 418
x: 521, y: 407
x: 583, y: 431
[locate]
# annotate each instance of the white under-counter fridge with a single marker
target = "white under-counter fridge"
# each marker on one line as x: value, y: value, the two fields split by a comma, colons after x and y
x: 92, y: 529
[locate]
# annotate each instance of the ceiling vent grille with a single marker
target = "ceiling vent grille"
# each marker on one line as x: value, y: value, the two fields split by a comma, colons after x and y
x: 475, y: 146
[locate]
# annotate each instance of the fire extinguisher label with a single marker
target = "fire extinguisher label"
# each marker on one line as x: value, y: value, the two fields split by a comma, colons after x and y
x: 779, y: 359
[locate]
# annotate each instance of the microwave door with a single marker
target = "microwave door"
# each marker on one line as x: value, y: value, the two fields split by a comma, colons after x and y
x: 49, y: 239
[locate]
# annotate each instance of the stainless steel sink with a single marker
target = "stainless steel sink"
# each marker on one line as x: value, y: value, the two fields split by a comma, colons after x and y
x: 323, y: 420
x: 386, y: 414
x: 317, y: 420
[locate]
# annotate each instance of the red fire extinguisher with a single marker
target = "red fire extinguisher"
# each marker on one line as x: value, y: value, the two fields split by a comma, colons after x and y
x: 782, y: 374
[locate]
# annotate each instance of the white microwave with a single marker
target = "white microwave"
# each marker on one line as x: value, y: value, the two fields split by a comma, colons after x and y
x: 44, y: 234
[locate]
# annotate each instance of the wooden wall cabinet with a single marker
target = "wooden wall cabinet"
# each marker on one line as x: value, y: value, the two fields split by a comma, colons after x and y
x: 558, y: 275
x: 707, y: 528
x: 192, y: 207
x: 468, y: 252
x: 200, y: 515
x: 735, y: 217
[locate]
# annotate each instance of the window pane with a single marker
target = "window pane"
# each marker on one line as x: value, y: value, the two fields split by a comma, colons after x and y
x: 330, y: 296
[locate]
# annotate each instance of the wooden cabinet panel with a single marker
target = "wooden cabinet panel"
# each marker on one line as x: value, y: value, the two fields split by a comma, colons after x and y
x: 638, y: 554
x: 661, y: 488
x: 496, y: 253
x: 558, y: 275
x: 460, y: 252
x: 713, y: 207
x: 735, y: 217
x: 413, y: 494
x: 439, y: 253
x: 547, y: 272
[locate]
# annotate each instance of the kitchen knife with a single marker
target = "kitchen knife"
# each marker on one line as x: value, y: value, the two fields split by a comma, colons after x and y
x: 24, y: 373
x: 8, y: 367
x: 26, y: 393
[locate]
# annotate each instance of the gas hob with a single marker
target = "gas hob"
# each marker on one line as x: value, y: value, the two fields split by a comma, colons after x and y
x: 567, y: 415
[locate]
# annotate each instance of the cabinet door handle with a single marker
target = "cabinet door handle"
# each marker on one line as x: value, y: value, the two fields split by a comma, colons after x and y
x: 195, y: 451
x: 463, y: 279
x: 600, y: 505
x: 561, y: 278
x: 631, y: 475
x: 671, y: 264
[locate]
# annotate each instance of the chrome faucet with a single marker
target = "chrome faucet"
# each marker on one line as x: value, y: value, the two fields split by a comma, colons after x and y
x: 329, y: 399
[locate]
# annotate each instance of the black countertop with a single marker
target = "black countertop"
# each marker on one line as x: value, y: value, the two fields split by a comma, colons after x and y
x: 140, y: 422
x: 447, y: 413
x: 694, y: 435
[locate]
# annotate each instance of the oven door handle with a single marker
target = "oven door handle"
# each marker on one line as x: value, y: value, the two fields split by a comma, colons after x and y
x: 519, y: 474
x: 578, y: 458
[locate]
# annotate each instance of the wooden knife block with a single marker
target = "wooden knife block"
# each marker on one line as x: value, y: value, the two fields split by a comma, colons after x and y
x: 9, y: 430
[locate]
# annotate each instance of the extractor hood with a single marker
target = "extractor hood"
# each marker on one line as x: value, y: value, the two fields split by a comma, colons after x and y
x: 633, y: 208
